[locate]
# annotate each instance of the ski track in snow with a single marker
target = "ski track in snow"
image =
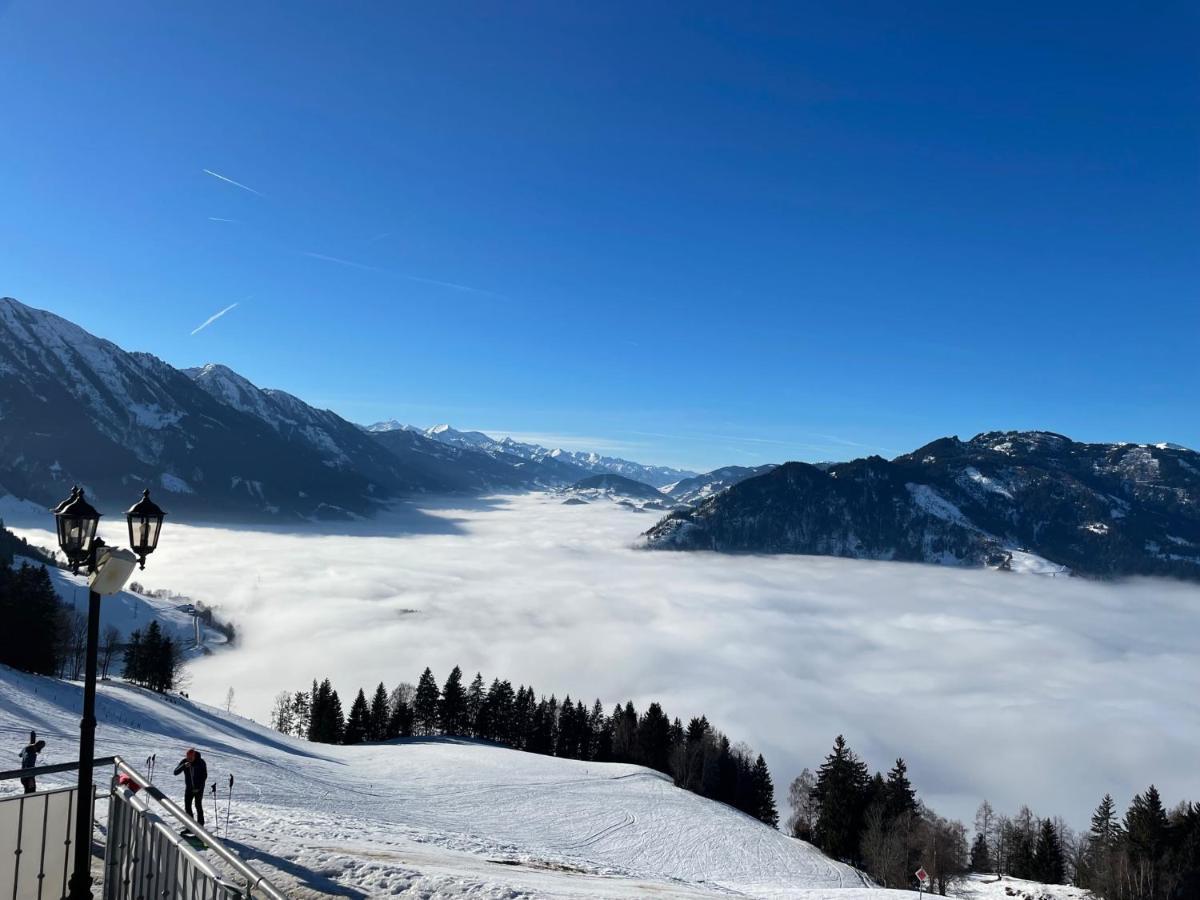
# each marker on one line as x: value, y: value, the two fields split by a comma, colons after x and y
x: 434, y: 817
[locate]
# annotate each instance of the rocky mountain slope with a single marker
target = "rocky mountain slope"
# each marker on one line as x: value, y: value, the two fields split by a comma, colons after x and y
x: 1100, y: 509
x: 77, y: 409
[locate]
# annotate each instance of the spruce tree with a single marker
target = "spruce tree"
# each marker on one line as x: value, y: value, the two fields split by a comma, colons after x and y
x: 452, y: 707
x: 899, y: 796
x: 654, y: 739
x: 1048, y: 863
x: 336, y: 725
x: 475, y: 702
x: 358, y: 725
x: 425, y: 704
x: 763, y: 794
x: 377, y: 729
x: 840, y: 794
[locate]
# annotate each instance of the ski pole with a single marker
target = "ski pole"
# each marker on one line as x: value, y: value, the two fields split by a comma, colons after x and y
x: 216, y: 809
x: 228, y: 805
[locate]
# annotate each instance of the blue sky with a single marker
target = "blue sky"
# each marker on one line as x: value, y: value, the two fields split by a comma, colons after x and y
x: 693, y: 234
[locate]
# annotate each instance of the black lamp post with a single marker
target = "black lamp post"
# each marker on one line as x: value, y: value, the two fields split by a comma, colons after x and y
x: 76, y: 521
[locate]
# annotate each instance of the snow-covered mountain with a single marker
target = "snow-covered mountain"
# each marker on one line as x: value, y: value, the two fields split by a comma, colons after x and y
x: 565, y: 462
x: 690, y: 491
x: 437, y: 817
x: 77, y: 409
x: 618, y: 488
x: 1098, y: 509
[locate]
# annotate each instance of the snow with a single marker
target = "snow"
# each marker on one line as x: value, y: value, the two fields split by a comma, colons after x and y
x: 1005, y: 887
x: 174, y: 484
x: 128, y: 611
x: 988, y: 484
x: 436, y: 817
x: 932, y: 502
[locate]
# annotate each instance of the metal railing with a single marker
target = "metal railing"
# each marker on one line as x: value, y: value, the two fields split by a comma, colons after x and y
x: 37, y: 834
x: 146, y: 858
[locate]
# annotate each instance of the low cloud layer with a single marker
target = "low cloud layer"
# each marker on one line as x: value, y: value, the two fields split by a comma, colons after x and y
x: 1016, y: 688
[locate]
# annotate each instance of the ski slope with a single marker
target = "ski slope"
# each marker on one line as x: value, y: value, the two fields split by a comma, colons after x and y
x: 128, y: 611
x: 435, y: 818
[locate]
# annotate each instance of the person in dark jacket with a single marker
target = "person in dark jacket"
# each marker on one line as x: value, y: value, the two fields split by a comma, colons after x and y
x: 195, y: 773
x: 29, y: 757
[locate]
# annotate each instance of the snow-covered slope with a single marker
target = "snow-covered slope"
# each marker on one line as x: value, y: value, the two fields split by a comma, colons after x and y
x: 128, y: 611
x: 436, y: 817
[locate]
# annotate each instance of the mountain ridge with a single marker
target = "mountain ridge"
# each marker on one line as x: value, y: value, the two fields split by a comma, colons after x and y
x: 1105, y: 510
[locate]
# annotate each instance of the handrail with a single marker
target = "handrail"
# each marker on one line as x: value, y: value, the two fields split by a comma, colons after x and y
x: 254, y: 881
x: 50, y: 770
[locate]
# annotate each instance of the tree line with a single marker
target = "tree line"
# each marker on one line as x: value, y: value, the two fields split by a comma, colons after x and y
x: 875, y: 822
x: 46, y: 636
x: 697, y: 757
x: 879, y: 824
x: 1151, y: 853
x: 154, y: 660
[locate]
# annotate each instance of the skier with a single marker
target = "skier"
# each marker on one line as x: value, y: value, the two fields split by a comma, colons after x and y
x: 29, y: 757
x: 195, y: 773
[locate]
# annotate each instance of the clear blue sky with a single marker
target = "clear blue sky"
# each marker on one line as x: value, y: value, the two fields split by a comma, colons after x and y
x: 694, y: 234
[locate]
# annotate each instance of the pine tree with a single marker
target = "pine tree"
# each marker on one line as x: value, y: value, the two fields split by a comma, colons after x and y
x: 425, y: 704
x: 377, y: 729
x: 359, y: 724
x: 763, y: 794
x: 452, y: 707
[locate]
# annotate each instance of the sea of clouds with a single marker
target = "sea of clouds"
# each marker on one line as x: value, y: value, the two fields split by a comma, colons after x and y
x: 1017, y: 688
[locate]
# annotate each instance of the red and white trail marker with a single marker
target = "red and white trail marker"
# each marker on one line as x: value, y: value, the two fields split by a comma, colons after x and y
x: 922, y: 876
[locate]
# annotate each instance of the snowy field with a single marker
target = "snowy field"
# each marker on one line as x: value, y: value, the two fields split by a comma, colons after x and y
x: 1018, y: 688
x: 437, y: 818
x: 993, y: 887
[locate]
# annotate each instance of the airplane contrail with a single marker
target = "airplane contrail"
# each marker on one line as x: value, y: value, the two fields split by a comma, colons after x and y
x: 231, y: 181
x: 446, y: 284
x: 213, y: 318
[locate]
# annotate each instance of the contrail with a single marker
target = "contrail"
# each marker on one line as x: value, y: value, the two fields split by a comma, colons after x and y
x: 446, y: 284
x: 231, y: 181
x: 344, y: 262
x: 213, y: 317
x: 220, y: 219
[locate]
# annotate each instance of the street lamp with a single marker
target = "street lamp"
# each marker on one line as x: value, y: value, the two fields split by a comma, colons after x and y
x: 107, y: 569
x: 145, y: 522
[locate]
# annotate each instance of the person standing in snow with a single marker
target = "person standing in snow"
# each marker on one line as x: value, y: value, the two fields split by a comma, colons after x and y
x: 29, y: 757
x: 195, y: 773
